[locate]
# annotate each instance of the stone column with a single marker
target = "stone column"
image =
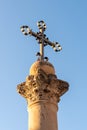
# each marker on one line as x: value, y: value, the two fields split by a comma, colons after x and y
x: 42, y: 90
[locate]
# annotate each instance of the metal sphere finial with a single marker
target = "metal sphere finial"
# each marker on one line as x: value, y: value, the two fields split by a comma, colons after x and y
x: 25, y: 30
x: 41, y: 25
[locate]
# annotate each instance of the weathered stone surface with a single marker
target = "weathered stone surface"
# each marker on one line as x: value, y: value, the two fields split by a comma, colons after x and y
x: 42, y: 87
x: 43, y: 65
x: 42, y: 91
x: 43, y: 116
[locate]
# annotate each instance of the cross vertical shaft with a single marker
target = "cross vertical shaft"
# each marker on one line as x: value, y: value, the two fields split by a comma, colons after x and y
x: 42, y: 51
x: 42, y: 46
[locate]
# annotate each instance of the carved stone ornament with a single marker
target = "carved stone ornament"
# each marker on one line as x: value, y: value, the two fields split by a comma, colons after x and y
x: 42, y: 87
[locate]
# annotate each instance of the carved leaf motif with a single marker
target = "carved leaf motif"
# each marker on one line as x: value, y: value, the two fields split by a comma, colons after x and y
x: 42, y: 86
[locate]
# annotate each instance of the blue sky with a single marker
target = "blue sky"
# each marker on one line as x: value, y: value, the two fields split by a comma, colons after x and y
x: 66, y: 22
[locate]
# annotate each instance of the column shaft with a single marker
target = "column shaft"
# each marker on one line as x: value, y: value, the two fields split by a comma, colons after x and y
x: 42, y: 116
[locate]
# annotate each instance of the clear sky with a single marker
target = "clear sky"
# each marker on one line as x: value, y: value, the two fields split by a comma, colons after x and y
x: 66, y: 22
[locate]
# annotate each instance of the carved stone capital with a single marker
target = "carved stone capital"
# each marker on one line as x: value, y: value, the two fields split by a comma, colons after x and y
x: 42, y: 87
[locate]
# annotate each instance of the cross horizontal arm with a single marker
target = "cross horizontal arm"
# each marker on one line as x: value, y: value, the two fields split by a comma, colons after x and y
x: 40, y: 37
x: 27, y: 31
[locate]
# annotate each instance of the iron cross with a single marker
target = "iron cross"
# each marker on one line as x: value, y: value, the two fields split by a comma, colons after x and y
x: 42, y: 39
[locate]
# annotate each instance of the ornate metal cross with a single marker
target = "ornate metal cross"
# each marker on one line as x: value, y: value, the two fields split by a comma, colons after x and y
x: 42, y: 39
